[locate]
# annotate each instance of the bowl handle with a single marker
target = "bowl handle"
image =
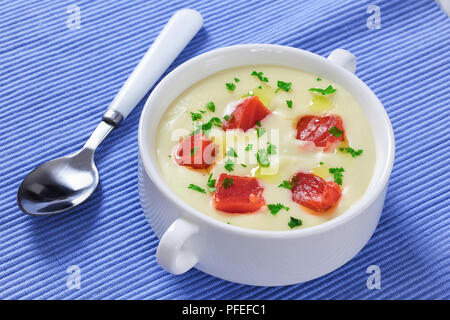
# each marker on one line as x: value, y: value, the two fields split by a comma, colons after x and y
x: 344, y: 59
x: 171, y: 254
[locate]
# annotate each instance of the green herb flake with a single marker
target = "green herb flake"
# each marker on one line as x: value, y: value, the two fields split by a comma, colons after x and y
x: 248, y: 147
x: 337, y: 174
x: 227, y: 182
x: 196, y: 188
x: 258, y: 123
x: 206, y: 127
x: 244, y: 165
x: 288, y: 184
x: 262, y: 158
x: 229, y: 165
x: 211, y: 183
x: 195, y: 116
x: 231, y: 153
x: 352, y: 151
x: 211, y: 106
x: 228, y: 117
x: 260, y: 132
x: 230, y: 86
x: 321, y: 162
x: 289, y: 103
x: 259, y: 87
x: 271, y: 148
x: 294, y: 222
x: 327, y: 90
x: 236, y: 80
x: 335, y: 131
x: 216, y: 121
x: 286, y: 86
x: 319, y: 79
x: 260, y: 76
x: 275, y: 208
x: 194, y: 150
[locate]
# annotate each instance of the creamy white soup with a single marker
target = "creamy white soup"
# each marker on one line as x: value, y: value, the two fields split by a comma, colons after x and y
x: 266, y: 147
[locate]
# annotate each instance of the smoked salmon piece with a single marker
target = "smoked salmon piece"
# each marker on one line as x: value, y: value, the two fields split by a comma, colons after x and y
x: 325, y: 132
x: 236, y: 194
x: 196, y: 151
x: 314, y: 192
x: 246, y: 114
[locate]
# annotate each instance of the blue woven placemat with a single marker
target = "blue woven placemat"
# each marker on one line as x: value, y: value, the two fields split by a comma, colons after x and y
x: 56, y: 80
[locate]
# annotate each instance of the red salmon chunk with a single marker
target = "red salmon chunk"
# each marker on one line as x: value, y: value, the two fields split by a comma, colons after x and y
x: 237, y: 194
x: 195, y: 151
x: 317, y: 130
x: 314, y: 192
x: 246, y: 114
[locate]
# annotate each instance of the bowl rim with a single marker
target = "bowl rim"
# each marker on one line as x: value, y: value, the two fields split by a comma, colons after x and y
x: 152, y: 170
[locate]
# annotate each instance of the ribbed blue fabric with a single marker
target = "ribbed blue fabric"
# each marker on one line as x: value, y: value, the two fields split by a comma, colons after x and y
x: 55, y: 84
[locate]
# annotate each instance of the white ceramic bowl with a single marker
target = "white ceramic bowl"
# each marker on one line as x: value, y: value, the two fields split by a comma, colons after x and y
x: 189, y: 238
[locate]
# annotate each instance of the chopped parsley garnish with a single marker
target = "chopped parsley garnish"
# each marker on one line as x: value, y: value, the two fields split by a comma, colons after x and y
x: 227, y: 182
x: 196, y: 188
x: 258, y: 123
x: 231, y: 153
x: 211, y: 183
x: 215, y: 121
x: 202, y: 111
x: 211, y: 106
x: 335, y: 131
x: 321, y: 162
x: 337, y: 174
x: 262, y: 158
x: 244, y: 165
x: 230, y: 86
x: 259, y: 87
x: 286, y: 86
x: 294, y: 222
x: 248, y: 147
x: 196, y: 116
x: 228, y: 117
x: 275, y: 208
x: 236, y: 80
x: 260, y: 76
x: 327, y: 90
x: 206, y: 127
x: 229, y: 165
x: 194, y: 150
x: 319, y: 79
x: 289, y: 103
x: 260, y: 132
x: 352, y: 151
x: 271, y: 148
x: 288, y: 184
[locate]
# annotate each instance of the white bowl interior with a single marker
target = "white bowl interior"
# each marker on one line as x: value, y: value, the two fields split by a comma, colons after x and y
x: 214, y: 61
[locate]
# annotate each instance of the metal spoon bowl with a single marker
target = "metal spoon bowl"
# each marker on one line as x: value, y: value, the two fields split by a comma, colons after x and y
x: 63, y: 183
x: 58, y: 185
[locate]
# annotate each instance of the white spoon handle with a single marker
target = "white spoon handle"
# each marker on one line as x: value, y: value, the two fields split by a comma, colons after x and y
x: 177, y: 33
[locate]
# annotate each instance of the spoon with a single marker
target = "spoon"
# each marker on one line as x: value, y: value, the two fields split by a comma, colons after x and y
x: 64, y: 183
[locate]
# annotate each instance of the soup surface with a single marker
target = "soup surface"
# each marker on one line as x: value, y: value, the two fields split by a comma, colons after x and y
x: 266, y: 147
